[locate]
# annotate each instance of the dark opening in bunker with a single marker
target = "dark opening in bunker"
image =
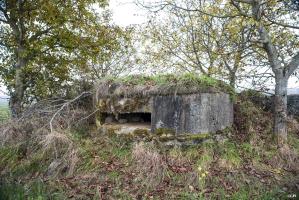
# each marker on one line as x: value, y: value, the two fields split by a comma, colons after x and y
x: 122, y: 118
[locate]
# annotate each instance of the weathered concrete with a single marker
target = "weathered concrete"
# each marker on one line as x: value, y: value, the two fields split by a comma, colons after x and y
x: 125, y: 105
x: 180, y: 117
x: 195, y: 113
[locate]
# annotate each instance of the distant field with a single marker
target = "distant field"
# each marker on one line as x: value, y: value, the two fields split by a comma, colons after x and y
x: 4, y: 111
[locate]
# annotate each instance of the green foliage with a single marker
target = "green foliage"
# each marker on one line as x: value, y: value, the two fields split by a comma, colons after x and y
x: 199, y: 43
x: 55, y: 43
x: 92, y: 152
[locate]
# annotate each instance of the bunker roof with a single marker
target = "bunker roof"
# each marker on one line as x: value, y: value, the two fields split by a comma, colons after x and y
x: 166, y: 84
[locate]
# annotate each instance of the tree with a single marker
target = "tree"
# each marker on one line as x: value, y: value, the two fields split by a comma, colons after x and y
x: 203, y: 44
x: 114, y: 61
x: 274, y: 24
x: 44, y: 44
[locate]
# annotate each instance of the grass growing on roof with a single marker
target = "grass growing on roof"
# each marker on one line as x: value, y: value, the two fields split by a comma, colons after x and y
x: 167, y: 84
x: 162, y: 79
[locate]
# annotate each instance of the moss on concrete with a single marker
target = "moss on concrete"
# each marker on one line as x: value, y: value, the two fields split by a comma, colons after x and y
x: 164, y: 131
x: 141, y: 132
x: 161, y: 134
x: 163, y: 84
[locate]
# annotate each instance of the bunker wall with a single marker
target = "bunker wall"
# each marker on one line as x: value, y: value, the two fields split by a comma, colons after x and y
x: 195, y: 113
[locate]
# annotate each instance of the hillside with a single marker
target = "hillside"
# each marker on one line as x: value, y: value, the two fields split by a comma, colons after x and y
x: 81, y: 162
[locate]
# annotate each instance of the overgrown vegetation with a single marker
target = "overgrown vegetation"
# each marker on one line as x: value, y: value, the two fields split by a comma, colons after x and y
x: 83, y: 163
x: 138, y: 85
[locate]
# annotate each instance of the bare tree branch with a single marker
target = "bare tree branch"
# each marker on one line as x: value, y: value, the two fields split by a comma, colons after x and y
x: 84, y: 94
x: 282, y: 24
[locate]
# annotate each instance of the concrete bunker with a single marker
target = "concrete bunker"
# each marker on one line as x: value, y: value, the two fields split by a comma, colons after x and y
x: 175, y: 108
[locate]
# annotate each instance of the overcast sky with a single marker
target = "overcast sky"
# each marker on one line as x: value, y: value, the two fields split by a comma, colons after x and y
x: 125, y: 13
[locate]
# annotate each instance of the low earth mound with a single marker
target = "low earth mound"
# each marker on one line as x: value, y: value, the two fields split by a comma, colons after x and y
x: 81, y: 163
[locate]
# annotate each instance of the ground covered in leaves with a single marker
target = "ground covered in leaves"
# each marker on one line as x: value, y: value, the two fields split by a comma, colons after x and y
x: 242, y: 162
x: 109, y: 168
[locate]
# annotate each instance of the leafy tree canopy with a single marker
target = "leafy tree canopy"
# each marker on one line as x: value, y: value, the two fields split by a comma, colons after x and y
x: 45, y: 44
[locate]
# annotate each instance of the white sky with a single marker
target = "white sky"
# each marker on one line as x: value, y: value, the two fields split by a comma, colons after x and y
x: 126, y: 13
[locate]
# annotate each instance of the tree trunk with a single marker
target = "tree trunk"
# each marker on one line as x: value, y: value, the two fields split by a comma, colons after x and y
x: 280, y: 108
x: 17, y: 96
x: 232, y: 79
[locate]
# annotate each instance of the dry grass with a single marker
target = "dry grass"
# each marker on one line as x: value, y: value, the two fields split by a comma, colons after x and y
x: 286, y: 158
x: 154, y: 168
x: 149, y: 164
x: 33, y: 132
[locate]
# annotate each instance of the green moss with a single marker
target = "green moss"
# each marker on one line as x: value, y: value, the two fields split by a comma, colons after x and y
x: 141, y: 132
x: 167, y: 134
x: 164, y: 131
x: 127, y: 105
x: 186, y: 81
x: 199, y: 136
